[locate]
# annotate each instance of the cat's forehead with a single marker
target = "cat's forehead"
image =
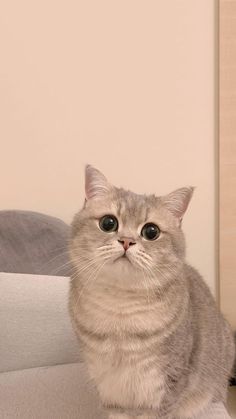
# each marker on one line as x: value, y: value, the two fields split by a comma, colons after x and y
x: 126, y: 205
x: 131, y: 206
x: 131, y: 209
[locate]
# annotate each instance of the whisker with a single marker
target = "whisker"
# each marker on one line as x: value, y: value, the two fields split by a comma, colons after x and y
x: 144, y: 254
x: 146, y: 285
x: 60, y: 248
x: 151, y: 276
x: 89, y: 279
x: 45, y: 265
x: 87, y: 265
x: 64, y: 265
x: 105, y: 246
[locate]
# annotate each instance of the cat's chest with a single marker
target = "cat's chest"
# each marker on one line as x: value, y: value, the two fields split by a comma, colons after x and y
x: 119, y: 321
x: 121, y: 334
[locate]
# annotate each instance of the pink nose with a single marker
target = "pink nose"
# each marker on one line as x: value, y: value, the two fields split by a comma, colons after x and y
x: 126, y: 242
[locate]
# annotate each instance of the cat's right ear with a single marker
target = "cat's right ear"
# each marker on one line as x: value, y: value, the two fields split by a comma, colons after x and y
x: 177, y: 202
x: 96, y: 185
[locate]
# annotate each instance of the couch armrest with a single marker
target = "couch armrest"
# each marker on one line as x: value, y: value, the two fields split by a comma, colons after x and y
x: 35, y: 328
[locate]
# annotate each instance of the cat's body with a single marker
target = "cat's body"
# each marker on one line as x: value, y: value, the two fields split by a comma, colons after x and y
x: 153, y: 339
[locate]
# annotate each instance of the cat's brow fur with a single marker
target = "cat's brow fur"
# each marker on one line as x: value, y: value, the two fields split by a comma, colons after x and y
x: 153, y: 339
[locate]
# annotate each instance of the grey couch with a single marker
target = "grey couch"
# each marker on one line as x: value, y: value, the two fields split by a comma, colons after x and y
x: 33, y: 243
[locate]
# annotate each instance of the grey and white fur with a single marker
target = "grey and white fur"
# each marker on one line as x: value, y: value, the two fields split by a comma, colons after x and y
x: 153, y: 339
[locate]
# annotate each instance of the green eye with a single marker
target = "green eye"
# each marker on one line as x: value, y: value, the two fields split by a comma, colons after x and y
x: 150, y: 231
x: 108, y: 223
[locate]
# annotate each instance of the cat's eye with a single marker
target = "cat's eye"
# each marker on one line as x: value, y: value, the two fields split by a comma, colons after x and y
x: 150, y: 231
x: 108, y: 223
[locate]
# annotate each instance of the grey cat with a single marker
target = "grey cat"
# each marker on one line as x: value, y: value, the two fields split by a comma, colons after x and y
x: 155, y: 344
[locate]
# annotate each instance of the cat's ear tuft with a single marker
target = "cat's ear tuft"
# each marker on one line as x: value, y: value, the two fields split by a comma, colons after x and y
x: 96, y: 184
x: 177, y: 201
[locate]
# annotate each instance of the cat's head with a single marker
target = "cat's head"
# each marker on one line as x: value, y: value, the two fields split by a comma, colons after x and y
x: 126, y: 236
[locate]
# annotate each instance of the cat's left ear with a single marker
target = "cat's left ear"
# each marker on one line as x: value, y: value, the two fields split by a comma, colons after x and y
x: 177, y: 202
x: 96, y: 185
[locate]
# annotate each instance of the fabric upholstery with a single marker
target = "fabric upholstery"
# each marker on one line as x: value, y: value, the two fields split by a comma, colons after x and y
x: 34, y: 243
x: 35, y: 328
x: 58, y: 392
x: 35, y: 335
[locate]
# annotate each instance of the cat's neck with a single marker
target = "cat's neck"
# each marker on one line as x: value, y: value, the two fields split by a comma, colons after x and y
x: 136, y: 288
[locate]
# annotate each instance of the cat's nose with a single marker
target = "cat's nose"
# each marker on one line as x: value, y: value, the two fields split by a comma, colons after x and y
x: 126, y: 242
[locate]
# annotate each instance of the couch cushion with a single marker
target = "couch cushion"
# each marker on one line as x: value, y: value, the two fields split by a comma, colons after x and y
x: 35, y: 243
x: 58, y: 392
x: 35, y: 325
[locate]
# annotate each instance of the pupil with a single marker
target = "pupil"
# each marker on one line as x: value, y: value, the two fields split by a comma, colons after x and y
x: 151, y: 232
x: 109, y: 223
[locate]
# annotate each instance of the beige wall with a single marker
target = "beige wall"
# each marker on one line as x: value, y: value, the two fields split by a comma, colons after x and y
x: 125, y: 85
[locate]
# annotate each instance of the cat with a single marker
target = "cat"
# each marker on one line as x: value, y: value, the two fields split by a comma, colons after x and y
x: 154, y: 342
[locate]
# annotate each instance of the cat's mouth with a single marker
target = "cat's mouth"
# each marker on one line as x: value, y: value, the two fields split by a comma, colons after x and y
x: 123, y: 258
